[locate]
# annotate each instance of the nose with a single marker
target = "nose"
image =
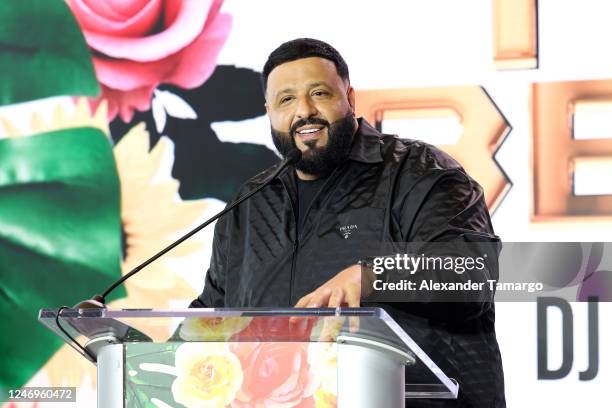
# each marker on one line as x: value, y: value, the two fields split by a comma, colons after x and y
x: 305, y: 108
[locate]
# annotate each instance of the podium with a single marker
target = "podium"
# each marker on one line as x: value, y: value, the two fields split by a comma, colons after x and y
x: 344, y: 357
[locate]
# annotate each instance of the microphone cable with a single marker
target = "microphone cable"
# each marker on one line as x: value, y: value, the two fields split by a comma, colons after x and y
x: 72, y: 339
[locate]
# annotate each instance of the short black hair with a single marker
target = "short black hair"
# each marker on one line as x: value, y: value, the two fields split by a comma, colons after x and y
x: 303, y: 48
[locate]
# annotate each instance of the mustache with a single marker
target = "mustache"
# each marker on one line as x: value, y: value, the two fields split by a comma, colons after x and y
x: 307, y: 121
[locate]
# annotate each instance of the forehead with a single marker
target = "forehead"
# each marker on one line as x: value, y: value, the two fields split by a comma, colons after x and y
x: 301, y: 72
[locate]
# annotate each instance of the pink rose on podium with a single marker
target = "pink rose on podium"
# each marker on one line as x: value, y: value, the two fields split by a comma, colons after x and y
x: 275, y: 375
x: 138, y: 44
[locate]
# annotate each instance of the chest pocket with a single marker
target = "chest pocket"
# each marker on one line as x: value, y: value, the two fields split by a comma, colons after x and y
x: 354, y: 233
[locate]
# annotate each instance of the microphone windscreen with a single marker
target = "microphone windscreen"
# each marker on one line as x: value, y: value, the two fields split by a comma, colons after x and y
x: 294, y: 156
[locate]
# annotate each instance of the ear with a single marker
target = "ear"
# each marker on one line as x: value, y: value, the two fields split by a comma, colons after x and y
x: 267, y: 105
x: 265, y: 95
x: 351, y: 98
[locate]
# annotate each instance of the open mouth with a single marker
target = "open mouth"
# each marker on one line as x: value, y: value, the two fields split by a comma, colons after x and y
x: 309, y: 132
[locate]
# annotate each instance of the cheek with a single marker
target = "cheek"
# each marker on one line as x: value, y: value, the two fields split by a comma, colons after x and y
x: 280, y: 121
x: 335, y: 111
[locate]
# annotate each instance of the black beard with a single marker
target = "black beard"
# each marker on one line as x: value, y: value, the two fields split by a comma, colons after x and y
x: 319, y: 161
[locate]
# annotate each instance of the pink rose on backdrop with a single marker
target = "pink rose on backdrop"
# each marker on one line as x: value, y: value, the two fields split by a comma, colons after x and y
x: 138, y: 44
x: 276, y: 375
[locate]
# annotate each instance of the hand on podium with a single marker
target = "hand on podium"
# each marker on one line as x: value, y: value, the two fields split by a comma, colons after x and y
x: 343, y: 290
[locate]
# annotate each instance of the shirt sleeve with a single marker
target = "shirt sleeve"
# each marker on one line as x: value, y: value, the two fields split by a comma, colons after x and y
x: 445, y: 214
x: 446, y: 205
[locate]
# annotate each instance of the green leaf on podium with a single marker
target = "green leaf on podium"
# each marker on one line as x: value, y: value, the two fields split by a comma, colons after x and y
x: 142, y: 385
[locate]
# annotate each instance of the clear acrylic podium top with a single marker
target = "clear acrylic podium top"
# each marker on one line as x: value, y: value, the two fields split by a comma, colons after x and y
x: 373, y: 327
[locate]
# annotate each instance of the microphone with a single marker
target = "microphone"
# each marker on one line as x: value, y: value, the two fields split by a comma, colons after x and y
x: 98, y: 301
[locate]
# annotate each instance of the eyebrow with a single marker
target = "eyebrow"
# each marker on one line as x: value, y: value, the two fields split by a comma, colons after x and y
x: 310, y: 85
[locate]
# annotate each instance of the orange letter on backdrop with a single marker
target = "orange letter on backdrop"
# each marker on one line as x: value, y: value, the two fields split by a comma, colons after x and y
x: 562, y: 146
x: 484, y: 127
x: 515, y: 34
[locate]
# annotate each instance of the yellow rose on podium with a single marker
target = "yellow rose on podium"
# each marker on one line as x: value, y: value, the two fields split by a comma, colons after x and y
x: 208, y: 375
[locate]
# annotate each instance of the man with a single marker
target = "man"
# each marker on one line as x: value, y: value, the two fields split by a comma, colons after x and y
x: 297, y: 242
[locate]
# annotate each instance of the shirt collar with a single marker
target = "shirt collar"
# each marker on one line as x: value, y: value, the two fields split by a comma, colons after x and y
x: 366, y: 144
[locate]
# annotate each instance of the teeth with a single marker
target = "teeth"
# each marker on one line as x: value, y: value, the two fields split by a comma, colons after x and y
x: 309, y: 131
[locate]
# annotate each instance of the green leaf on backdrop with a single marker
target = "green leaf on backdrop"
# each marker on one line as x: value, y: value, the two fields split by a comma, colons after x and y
x: 60, y: 237
x: 42, y: 52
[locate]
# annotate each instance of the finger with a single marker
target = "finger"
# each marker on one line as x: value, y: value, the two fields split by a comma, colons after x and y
x: 324, y: 335
x: 297, y: 319
x: 320, y: 298
x: 304, y: 300
x: 353, y: 324
x: 336, y: 298
x: 331, y: 328
x: 353, y: 298
x: 299, y: 326
x: 352, y: 295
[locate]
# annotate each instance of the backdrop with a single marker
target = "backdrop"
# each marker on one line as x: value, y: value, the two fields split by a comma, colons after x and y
x: 125, y: 123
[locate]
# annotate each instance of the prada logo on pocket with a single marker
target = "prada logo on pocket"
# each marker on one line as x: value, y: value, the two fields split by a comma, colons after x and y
x: 347, y: 230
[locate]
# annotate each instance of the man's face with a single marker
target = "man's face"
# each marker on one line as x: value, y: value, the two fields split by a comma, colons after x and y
x: 312, y: 109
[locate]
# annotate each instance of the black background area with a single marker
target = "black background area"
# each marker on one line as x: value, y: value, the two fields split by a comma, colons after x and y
x: 204, y: 165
